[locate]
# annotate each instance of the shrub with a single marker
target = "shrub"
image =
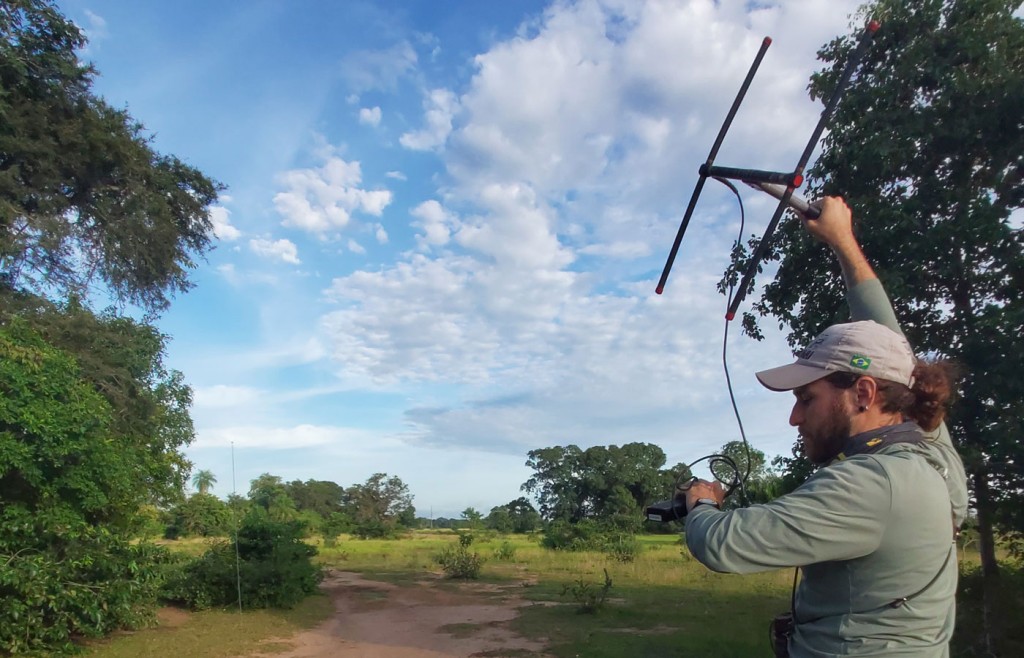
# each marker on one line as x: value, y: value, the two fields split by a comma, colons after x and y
x: 590, y: 597
x: 274, y: 569
x: 458, y: 562
x: 623, y: 548
x: 506, y: 552
x: 586, y: 535
x: 85, y: 583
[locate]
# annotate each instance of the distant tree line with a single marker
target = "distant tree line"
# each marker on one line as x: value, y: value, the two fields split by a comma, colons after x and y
x: 381, y: 507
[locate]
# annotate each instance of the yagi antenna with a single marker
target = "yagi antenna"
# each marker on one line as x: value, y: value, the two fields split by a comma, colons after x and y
x: 780, y: 185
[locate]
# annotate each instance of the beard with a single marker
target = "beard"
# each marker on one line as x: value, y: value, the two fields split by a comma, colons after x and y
x: 824, y: 441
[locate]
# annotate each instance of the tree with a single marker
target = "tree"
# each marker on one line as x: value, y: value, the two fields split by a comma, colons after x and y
x: 269, y: 493
x: 928, y: 148
x: 91, y: 422
x: 499, y: 520
x: 761, y: 484
x: 517, y: 516
x: 523, y: 515
x: 320, y: 496
x: 202, y: 480
x: 573, y: 484
x: 70, y: 491
x: 201, y: 515
x: 377, y: 505
x: 83, y: 196
x: 472, y: 519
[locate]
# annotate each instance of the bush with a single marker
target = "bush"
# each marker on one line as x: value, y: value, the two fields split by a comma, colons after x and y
x: 997, y: 631
x: 623, y: 548
x: 506, y: 552
x: 375, y: 529
x: 86, y: 583
x: 590, y: 597
x: 458, y: 562
x: 274, y: 569
x: 586, y: 535
x: 616, y: 541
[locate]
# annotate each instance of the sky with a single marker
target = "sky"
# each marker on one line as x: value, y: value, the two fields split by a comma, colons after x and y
x: 444, y: 223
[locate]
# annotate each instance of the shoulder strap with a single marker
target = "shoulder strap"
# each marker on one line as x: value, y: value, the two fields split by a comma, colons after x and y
x: 895, y: 603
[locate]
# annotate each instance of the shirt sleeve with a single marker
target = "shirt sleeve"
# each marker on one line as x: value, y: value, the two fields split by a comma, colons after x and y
x: 868, y: 301
x: 838, y: 514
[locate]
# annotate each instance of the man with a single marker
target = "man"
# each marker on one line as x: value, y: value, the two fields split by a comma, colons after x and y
x: 871, y: 530
x: 868, y: 301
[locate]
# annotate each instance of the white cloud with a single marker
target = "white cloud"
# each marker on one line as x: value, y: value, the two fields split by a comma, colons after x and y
x: 321, y: 199
x: 380, y: 234
x: 277, y: 438
x: 369, y: 116
x: 355, y: 247
x: 95, y: 28
x: 397, y: 175
x: 238, y: 278
x: 367, y: 70
x: 220, y: 217
x: 221, y: 396
x: 282, y: 249
x: 440, y: 106
x: 436, y: 223
x: 582, y: 136
x: 624, y: 250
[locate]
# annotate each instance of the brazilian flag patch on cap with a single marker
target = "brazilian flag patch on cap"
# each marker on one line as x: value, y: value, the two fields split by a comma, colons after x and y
x: 860, y: 361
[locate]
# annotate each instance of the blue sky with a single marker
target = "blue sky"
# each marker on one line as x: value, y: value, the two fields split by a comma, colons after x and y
x: 445, y: 220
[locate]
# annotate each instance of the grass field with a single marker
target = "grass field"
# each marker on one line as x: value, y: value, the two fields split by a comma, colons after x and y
x: 662, y: 604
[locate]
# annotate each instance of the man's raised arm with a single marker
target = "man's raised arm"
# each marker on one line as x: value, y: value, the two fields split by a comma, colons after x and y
x: 865, y: 295
x: 868, y: 301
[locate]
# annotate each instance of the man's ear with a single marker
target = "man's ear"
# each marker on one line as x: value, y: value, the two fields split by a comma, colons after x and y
x: 865, y: 392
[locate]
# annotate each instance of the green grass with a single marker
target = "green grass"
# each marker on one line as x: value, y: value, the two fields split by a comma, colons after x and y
x: 662, y: 604
x: 217, y: 633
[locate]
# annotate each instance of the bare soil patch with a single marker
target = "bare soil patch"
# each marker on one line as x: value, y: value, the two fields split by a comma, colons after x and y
x: 422, y: 620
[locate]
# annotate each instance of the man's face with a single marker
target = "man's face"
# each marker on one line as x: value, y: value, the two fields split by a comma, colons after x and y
x: 822, y: 413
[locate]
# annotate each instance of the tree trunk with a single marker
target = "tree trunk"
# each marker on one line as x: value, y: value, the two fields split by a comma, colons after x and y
x: 986, y: 535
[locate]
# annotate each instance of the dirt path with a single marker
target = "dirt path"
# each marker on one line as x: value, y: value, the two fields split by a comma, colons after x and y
x: 381, y: 620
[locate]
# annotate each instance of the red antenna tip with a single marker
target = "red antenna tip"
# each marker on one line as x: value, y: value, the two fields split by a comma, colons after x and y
x: 873, y: 26
x: 767, y: 41
x: 659, y: 289
x: 729, y: 316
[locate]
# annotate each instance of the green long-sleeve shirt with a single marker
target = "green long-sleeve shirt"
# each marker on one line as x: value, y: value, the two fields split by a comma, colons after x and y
x: 866, y: 531
x: 868, y: 301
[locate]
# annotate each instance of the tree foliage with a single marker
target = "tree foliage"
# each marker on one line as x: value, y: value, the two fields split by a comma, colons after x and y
x: 203, y: 479
x: 274, y: 568
x: 68, y: 495
x: 83, y: 195
x: 601, y: 482
x: 199, y: 515
x: 379, y: 505
x: 928, y: 149
x: 320, y: 496
x: 761, y: 484
x: 517, y: 516
x: 91, y: 422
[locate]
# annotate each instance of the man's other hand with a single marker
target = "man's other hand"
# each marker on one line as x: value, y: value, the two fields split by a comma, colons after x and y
x: 704, y: 489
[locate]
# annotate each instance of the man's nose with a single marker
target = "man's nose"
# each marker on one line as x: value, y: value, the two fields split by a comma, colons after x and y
x: 796, y: 416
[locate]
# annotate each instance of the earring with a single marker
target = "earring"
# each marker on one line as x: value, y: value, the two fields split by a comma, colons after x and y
x: 863, y: 408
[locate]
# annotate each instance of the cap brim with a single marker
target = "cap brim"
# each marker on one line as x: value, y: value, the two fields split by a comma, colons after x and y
x: 790, y: 376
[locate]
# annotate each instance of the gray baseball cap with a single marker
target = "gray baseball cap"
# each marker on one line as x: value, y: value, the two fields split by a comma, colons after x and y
x: 863, y: 348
